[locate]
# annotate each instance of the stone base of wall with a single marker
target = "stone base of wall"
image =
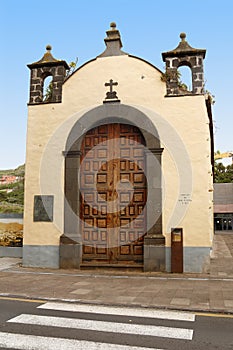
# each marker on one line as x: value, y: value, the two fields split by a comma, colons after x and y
x: 41, y: 256
x: 154, y: 253
x: 70, y: 252
x: 11, y: 252
x: 156, y: 258
x: 195, y: 259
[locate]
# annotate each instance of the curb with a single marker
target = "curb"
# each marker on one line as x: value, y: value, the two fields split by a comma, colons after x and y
x: 15, y: 297
x: 160, y: 276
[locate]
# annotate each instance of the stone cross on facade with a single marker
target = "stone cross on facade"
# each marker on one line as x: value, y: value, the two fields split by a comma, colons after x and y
x: 111, y: 95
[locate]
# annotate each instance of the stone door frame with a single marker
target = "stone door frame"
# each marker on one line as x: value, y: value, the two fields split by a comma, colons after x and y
x: 108, y: 113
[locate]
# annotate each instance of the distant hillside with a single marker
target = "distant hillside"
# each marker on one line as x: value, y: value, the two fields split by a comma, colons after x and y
x: 12, y: 195
x: 19, y: 171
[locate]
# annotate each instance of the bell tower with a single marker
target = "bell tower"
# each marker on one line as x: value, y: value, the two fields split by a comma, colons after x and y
x: 184, y: 55
x: 40, y: 70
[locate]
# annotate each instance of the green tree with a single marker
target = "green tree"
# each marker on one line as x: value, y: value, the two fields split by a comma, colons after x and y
x: 223, y: 174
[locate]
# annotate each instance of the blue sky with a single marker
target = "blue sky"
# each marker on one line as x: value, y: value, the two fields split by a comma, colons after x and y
x: 76, y: 28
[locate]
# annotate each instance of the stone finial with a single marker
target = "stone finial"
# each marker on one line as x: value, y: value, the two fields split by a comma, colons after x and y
x: 113, y: 42
x: 184, y: 55
x: 113, y: 34
x: 182, y: 36
x: 48, y: 57
x: 113, y: 25
x: 184, y: 49
x: 184, y: 45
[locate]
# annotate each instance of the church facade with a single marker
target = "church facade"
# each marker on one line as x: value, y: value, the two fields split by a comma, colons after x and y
x: 119, y: 163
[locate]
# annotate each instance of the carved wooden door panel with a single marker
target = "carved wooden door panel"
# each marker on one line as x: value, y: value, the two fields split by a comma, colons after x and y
x: 113, y: 194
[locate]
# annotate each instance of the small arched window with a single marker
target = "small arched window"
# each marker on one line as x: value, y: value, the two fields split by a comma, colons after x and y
x: 48, y: 88
x: 185, y: 82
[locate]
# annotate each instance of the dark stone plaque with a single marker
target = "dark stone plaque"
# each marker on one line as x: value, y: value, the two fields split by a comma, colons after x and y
x: 43, y: 208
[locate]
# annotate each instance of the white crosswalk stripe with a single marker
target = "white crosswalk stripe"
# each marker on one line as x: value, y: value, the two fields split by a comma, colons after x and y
x: 108, y: 310
x: 32, y: 342
x: 97, y: 321
x: 102, y: 326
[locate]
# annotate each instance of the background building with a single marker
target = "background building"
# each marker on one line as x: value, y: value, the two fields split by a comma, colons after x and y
x: 223, y: 207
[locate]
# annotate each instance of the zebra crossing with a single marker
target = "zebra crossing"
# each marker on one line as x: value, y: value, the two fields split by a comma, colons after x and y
x: 30, y: 342
x: 116, y: 322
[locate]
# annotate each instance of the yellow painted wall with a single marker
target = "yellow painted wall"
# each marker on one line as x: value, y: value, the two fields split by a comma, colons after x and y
x: 139, y: 85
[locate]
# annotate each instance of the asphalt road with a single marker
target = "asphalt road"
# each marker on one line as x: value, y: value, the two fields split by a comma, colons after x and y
x: 28, y: 324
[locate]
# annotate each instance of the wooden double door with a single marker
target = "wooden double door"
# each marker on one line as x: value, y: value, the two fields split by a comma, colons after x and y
x: 113, y: 195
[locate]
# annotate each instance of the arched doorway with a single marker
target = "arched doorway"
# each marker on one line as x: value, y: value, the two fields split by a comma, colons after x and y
x: 150, y: 249
x: 113, y: 193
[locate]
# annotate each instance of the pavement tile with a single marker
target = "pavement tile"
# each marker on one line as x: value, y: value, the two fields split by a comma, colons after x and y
x: 201, y: 300
x: 186, y: 287
x: 133, y: 294
x: 150, y: 291
x: 82, y: 283
x: 137, y: 289
x: 161, y: 301
x: 145, y: 295
x: 180, y: 301
x: 227, y: 295
x: 202, y: 306
x: 228, y: 303
x: 81, y: 291
x: 182, y: 293
x: 217, y: 304
x: 124, y: 299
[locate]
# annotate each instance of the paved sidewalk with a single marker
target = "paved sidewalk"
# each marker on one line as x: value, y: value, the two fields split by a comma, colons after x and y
x: 222, y: 256
x: 211, y: 292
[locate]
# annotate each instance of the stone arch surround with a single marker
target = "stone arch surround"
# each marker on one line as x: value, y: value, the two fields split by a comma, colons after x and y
x: 109, y: 113
x: 70, y: 243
